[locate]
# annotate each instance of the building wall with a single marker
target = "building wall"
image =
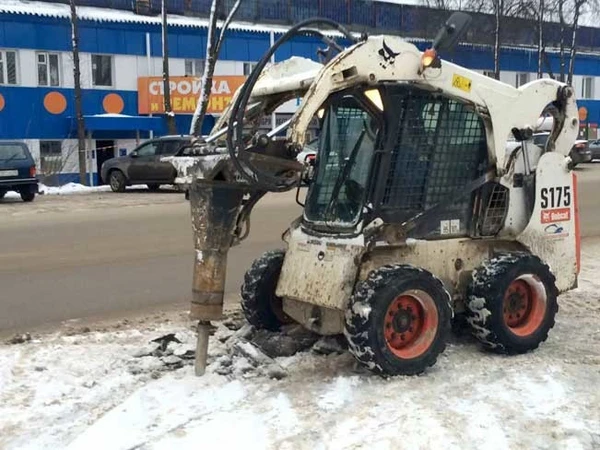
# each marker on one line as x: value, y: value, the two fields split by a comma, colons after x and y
x: 37, y: 113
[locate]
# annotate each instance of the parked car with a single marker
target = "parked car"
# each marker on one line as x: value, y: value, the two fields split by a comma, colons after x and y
x: 595, y: 149
x: 143, y: 165
x: 580, y: 152
x: 17, y: 170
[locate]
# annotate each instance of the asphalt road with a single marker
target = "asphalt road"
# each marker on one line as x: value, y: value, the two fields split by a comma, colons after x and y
x: 85, y: 256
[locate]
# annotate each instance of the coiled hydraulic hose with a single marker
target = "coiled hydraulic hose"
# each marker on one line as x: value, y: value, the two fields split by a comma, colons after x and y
x: 236, y: 145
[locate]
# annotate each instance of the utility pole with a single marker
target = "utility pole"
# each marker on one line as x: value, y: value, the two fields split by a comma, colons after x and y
x: 169, y: 115
x: 77, y: 82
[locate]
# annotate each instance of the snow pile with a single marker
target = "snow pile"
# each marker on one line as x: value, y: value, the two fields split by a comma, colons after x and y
x: 70, y: 189
x: 132, y: 386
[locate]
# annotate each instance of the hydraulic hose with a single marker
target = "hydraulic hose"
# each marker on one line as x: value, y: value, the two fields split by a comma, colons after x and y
x: 236, y: 125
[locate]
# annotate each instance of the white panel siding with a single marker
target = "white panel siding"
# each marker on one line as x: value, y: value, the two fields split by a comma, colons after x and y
x: 508, y: 77
x: 66, y: 63
x: 176, y: 67
x: 229, y: 68
x: 27, y: 68
x: 85, y: 66
x: 125, y: 76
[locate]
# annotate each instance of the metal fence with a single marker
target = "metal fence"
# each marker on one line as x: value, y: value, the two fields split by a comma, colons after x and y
x: 360, y: 15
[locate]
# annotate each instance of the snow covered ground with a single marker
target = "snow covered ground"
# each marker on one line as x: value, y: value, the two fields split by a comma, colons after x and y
x: 83, y: 388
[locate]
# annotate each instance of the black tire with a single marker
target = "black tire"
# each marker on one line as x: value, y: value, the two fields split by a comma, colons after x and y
x: 117, y: 181
x: 261, y: 306
x: 2, y: 194
x: 153, y: 187
x: 367, y: 317
x: 512, y: 321
x: 27, y: 196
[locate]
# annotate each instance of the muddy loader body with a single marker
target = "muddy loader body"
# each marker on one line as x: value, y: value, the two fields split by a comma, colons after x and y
x: 415, y: 214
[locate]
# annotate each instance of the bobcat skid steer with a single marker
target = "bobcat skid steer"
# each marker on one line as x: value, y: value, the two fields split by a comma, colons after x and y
x: 415, y: 214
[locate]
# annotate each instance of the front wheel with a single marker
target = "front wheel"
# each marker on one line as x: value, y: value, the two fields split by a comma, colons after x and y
x: 261, y: 306
x: 117, y: 181
x: 398, y: 320
x: 512, y: 303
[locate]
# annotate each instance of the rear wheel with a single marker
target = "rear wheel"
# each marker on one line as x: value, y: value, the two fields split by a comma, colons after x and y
x: 261, y: 306
x: 153, y: 187
x: 398, y: 320
x: 512, y: 303
x: 117, y: 181
x: 27, y: 196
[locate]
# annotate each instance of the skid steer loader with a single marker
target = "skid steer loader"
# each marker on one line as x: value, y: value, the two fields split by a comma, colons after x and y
x: 415, y: 214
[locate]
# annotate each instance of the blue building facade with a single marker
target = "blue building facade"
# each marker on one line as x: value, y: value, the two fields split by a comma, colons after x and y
x: 119, y: 47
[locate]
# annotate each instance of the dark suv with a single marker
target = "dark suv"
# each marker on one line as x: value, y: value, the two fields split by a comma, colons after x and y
x: 143, y: 164
x: 17, y: 170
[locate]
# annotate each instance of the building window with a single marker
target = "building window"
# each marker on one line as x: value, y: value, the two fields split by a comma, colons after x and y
x: 587, y: 87
x: 51, y: 160
x: 48, y: 69
x: 489, y: 73
x: 194, y: 67
x: 8, y: 67
x: 102, y: 69
x: 522, y: 78
x: 248, y: 68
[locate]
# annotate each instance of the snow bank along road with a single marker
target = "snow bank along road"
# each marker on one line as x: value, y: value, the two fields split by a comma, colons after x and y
x: 64, y: 257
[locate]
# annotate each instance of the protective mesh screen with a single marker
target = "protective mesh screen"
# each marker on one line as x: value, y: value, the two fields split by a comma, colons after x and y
x: 440, y: 148
x: 495, y: 207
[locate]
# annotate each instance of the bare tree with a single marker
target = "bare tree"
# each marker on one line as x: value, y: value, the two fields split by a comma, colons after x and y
x: 540, y: 32
x: 213, y: 48
x: 577, y: 6
x: 498, y: 7
x: 169, y: 114
x: 51, y: 166
x: 77, y: 91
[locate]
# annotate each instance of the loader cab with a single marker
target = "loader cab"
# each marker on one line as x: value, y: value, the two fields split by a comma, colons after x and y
x: 393, y: 151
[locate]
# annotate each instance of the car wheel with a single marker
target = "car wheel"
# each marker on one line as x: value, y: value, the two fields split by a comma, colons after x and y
x: 117, y: 181
x: 153, y: 187
x: 2, y: 194
x: 27, y: 196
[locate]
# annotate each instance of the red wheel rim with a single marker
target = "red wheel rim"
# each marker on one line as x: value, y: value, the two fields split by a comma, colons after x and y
x: 524, y: 305
x: 410, y: 324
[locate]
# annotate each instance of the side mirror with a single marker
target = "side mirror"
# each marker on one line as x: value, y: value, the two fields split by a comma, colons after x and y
x: 452, y: 31
x: 134, y: 154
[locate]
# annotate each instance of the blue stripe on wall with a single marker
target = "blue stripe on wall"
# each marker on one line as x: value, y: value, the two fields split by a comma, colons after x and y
x: 24, y: 115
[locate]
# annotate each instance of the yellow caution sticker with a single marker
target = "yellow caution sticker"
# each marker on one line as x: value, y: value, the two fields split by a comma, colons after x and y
x: 462, y: 83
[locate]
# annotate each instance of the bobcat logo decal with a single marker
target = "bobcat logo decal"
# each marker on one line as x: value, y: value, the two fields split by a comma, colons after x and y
x: 388, y: 55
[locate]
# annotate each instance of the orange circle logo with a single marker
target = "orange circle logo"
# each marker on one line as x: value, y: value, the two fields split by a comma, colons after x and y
x: 2, y: 103
x: 583, y: 112
x: 113, y: 104
x: 55, y: 103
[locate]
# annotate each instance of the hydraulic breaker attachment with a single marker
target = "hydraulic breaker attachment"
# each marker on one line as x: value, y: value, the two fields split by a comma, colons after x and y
x: 214, y: 208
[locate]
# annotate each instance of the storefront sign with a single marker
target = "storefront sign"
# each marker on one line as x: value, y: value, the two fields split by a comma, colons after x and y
x: 184, y: 94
